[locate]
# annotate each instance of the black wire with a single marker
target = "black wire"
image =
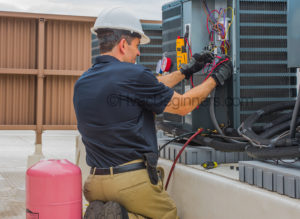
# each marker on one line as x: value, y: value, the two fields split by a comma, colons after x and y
x: 174, y: 139
x: 227, y: 137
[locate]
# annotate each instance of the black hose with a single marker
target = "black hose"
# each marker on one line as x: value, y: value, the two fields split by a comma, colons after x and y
x: 227, y: 137
x: 279, y: 120
x: 214, y: 119
x: 220, y: 145
x: 246, y: 127
x: 278, y: 129
x: 294, y: 118
x: 273, y: 153
x: 212, y: 112
x: 203, y: 141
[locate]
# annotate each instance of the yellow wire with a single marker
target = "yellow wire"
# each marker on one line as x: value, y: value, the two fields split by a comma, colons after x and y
x: 229, y: 24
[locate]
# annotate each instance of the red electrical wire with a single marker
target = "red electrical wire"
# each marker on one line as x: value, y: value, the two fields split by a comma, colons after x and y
x: 187, y: 42
x: 178, y: 155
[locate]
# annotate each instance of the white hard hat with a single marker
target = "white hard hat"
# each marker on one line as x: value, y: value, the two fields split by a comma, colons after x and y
x: 119, y: 18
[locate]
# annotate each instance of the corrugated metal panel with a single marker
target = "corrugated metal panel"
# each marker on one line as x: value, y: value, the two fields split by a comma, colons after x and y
x: 18, y: 43
x: 58, y: 100
x: 41, y: 57
x: 17, y: 99
x: 68, y: 45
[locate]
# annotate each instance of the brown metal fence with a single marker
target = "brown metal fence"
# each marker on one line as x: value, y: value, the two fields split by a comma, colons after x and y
x: 41, y: 57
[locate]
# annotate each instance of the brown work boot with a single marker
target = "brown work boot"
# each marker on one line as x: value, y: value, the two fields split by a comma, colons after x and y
x: 95, y: 210
x: 113, y: 210
x: 109, y: 210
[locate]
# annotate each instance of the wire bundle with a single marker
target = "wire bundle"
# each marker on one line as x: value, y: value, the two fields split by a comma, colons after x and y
x: 218, y: 26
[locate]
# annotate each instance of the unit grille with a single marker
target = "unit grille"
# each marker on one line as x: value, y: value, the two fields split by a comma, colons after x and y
x: 264, y: 77
x: 258, y: 81
x: 152, y: 52
x: 171, y: 28
x: 263, y: 18
x: 264, y: 5
x: 266, y: 56
x: 263, y: 31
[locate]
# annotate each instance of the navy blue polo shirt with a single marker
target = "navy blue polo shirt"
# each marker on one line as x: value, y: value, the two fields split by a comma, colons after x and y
x: 115, y: 103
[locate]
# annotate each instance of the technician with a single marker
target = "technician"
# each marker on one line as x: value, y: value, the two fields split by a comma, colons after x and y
x: 115, y: 103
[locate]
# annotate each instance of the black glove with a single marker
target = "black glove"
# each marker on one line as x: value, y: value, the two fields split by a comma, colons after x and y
x: 222, y: 72
x: 197, y: 62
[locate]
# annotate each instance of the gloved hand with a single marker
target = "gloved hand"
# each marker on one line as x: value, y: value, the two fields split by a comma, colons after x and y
x: 197, y: 62
x: 222, y: 72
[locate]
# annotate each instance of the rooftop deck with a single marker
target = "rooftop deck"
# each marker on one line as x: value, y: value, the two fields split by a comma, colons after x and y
x: 15, y: 146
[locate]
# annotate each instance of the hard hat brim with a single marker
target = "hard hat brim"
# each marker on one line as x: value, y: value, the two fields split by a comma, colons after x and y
x: 144, y: 38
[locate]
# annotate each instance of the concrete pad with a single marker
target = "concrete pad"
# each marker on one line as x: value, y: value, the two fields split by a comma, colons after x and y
x: 15, y: 147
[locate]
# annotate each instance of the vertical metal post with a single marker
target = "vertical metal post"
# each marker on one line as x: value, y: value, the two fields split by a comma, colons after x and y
x: 38, y: 154
x: 40, y: 80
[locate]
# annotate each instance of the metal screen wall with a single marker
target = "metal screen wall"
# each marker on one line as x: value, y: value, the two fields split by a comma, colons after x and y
x: 41, y: 57
x: 263, y: 74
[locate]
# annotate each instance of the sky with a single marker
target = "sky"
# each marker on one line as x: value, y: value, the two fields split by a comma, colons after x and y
x: 143, y: 9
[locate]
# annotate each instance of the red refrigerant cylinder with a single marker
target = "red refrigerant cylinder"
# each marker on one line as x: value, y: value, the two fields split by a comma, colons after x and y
x: 53, y: 190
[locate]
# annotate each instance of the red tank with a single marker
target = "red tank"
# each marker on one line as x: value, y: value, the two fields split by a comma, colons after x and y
x: 53, y: 190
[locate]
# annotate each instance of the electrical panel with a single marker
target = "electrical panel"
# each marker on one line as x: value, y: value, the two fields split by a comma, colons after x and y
x: 257, y: 43
x: 187, y: 18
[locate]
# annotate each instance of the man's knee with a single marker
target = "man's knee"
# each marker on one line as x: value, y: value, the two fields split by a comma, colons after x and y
x: 100, y: 210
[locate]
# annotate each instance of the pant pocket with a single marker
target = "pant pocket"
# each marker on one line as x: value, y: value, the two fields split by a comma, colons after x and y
x: 86, y: 189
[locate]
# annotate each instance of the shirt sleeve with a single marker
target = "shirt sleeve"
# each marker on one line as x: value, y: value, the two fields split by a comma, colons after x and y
x: 149, y: 93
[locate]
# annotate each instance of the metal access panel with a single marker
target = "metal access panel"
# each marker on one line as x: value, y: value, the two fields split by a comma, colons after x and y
x: 176, y: 16
x: 262, y: 76
x: 293, y: 33
x: 194, y: 16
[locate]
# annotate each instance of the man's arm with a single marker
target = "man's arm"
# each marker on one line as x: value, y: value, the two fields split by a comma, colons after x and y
x: 183, y: 104
x: 171, y: 79
x: 196, y: 63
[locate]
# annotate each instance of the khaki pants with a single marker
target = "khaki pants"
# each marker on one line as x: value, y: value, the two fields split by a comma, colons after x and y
x: 134, y: 191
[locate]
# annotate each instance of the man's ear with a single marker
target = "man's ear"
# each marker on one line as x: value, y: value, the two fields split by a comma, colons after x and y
x: 122, y: 45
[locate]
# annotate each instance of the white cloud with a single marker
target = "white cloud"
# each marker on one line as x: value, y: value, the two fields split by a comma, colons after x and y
x: 4, y: 6
x: 144, y: 9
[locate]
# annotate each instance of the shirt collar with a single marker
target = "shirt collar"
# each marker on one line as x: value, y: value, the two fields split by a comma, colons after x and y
x: 105, y: 59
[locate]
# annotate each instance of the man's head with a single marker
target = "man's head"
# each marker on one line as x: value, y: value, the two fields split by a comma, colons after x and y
x: 119, y: 33
x: 120, y: 43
